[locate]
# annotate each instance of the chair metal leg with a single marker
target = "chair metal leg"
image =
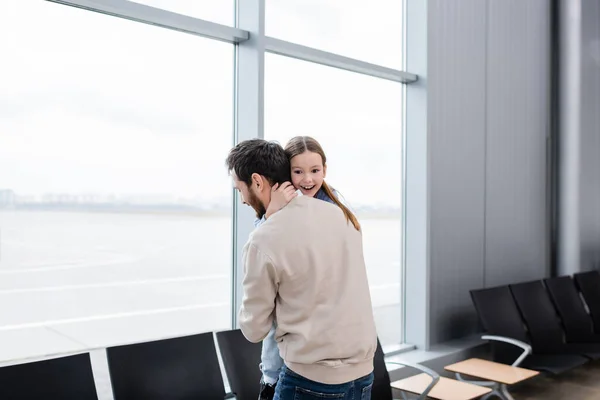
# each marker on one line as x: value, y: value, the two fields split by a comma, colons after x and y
x: 498, y: 389
x: 505, y: 394
x: 405, y: 397
x: 489, y: 395
x: 495, y: 393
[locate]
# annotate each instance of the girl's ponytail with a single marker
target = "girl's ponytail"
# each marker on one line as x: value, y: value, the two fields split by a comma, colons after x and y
x: 349, y: 215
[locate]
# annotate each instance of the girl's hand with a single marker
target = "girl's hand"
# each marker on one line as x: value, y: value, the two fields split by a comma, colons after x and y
x: 280, y: 196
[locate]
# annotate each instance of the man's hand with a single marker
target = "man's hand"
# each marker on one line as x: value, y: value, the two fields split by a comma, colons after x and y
x: 280, y: 196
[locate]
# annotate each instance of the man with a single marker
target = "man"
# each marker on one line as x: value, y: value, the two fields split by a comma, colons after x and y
x: 304, y: 268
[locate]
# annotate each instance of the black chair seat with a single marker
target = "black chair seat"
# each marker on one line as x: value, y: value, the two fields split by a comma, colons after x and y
x: 593, y: 338
x: 553, y: 364
x: 589, y: 350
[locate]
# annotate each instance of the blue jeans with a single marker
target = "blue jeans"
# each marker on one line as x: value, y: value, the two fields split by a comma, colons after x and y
x: 292, y: 386
x: 270, y: 360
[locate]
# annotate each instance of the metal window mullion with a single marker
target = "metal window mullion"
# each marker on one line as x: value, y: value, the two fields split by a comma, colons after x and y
x: 163, y: 18
x: 417, y: 288
x: 293, y: 50
x: 249, y: 120
x: 402, y: 271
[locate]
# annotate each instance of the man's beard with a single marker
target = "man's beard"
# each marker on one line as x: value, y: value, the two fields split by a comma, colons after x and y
x: 255, y: 203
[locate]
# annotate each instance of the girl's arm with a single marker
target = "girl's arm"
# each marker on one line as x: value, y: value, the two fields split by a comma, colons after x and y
x: 280, y: 196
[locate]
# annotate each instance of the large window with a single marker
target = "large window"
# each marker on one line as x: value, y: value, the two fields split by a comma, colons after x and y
x: 358, y: 121
x: 115, y: 221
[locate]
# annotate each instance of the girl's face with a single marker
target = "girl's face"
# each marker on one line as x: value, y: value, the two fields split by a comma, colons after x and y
x: 308, y: 172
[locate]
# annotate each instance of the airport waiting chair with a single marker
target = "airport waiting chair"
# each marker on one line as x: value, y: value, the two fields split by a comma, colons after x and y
x: 577, y: 323
x: 502, y: 321
x: 543, y: 324
x: 181, y: 368
x: 589, y: 286
x: 241, y: 359
x: 64, y: 378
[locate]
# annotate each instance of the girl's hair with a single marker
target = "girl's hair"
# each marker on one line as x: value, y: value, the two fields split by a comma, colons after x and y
x: 301, y: 144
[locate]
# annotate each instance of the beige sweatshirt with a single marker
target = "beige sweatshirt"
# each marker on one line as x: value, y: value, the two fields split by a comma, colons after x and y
x: 304, y: 267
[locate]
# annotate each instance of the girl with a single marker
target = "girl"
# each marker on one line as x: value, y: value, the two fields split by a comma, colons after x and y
x: 308, y: 167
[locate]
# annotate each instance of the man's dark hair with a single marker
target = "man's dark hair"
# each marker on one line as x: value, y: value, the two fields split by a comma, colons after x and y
x: 259, y: 156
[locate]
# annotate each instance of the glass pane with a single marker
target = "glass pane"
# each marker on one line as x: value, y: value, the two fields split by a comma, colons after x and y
x: 114, y: 219
x: 220, y: 11
x: 358, y: 121
x: 366, y: 30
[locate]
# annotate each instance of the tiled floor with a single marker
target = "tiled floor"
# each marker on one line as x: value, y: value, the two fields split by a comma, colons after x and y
x: 582, y: 383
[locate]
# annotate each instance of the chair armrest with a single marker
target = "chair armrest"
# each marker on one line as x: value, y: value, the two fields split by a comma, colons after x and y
x: 526, y: 347
x: 434, y: 375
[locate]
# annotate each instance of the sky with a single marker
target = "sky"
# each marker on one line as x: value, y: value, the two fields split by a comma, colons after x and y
x: 96, y: 104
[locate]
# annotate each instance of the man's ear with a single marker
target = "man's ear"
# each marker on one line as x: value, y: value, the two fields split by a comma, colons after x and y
x: 258, y: 182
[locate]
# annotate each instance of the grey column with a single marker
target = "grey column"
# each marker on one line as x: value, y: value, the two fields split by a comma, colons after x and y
x: 568, y: 170
x: 578, y: 244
